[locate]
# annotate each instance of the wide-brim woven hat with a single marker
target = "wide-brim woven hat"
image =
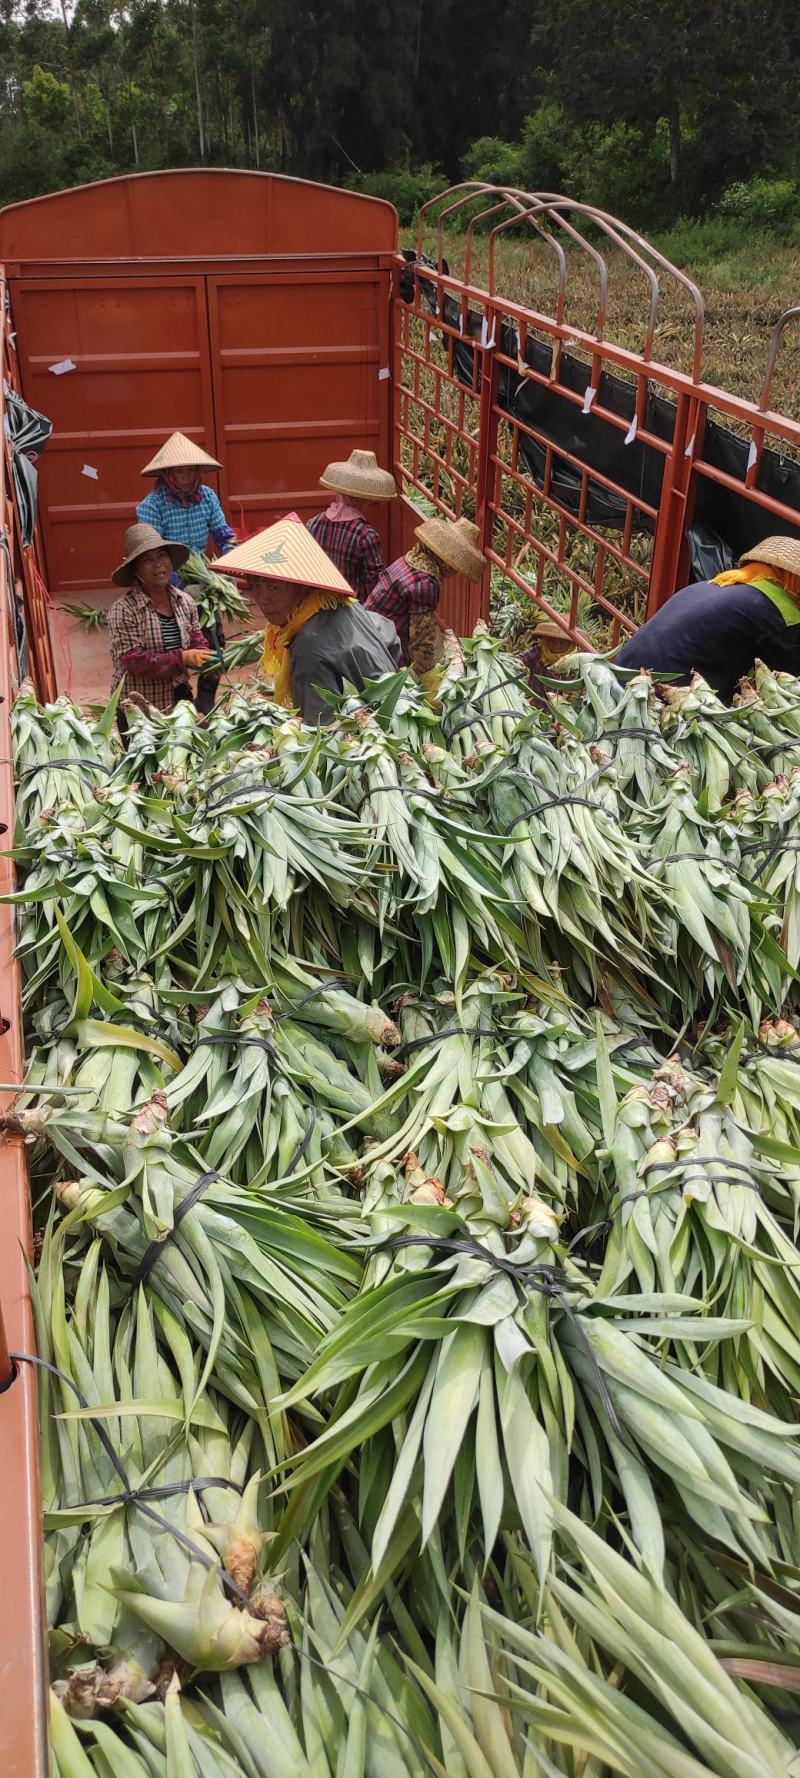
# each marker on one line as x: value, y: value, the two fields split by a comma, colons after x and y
x: 455, y: 542
x: 777, y: 552
x: 285, y: 551
x: 361, y: 476
x: 180, y: 453
x: 138, y: 540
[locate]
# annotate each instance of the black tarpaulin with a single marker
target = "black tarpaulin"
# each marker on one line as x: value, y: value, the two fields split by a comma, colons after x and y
x: 724, y: 521
x: 28, y: 433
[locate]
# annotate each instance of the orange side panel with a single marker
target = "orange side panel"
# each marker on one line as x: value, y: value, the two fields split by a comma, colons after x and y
x: 214, y: 211
x: 297, y: 360
x: 23, y: 1716
x: 282, y: 286
x: 140, y: 347
x: 296, y: 380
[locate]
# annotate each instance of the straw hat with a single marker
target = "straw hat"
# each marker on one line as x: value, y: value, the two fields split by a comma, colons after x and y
x: 360, y: 475
x: 180, y: 453
x: 777, y: 552
x: 286, y: 551
x: 455, y: 542
x: 138, y: 540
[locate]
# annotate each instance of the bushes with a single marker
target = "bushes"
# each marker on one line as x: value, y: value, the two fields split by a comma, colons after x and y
x: 772, y: 204
x: 697, y: 242
x: 405, y: 187
x: 550, y: 146
x: 543, y: 160
x: 626, y: 170
x: 493, y: 161
x: 613, y: 166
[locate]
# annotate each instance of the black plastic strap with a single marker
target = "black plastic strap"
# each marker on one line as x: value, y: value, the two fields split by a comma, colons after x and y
x: 616, y: 734
x: 295, y: 1006
x: 47, y: 765
x: 548, y: 1280
x: 489, y: 690
x: 303, y: 1145
x: 164, y: 1491
x: 234, y: 1038
x: 132, y: 1496
x: 558, y: 802
x: 418, y: 1043
x: 156, y: 1248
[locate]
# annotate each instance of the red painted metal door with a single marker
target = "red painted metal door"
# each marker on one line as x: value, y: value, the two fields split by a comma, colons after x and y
x: 139, y: 347
x: 274, y: 372
x: 300, y: 367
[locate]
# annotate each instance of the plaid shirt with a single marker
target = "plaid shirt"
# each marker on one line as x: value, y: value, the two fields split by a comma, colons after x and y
x: 192, y: 525
x: 402, y: 592
x: 353, y: 546
x: 137, y: 651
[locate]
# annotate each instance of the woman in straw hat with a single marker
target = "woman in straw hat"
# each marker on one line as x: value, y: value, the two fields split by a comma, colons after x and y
x: 341, y: 530
x: 318, y: 638
x: 181, y: 505
x: 154, y: 629
x: 719, y: 628
x: 408, y: 592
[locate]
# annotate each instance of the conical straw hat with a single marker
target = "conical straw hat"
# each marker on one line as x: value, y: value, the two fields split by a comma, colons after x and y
x: 286, y: 551
x: 361, y: 476
x: 180, y: 453
x: 777, y: 552
x: 138, y: 540
x: 455, y: 542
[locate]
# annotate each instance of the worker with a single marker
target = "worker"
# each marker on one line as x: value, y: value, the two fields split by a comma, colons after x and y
x: 154, y: 629
x: 341, y: 530
x: 182, y: 506
x: 719, y: 628
x: 408, y: 592
x: 318, y: 638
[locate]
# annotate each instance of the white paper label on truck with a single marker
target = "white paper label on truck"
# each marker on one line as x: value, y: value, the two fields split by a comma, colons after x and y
x: 60, y: 369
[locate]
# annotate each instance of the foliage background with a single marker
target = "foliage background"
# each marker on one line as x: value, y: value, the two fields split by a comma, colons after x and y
x: 656, y: 109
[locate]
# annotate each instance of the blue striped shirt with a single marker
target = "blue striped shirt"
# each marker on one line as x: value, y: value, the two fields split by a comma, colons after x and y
x: 193, y: 524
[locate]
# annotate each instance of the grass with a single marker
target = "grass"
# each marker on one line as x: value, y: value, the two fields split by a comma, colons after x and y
x: 747, y: 281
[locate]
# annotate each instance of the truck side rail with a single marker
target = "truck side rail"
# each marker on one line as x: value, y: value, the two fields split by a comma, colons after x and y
x: 590, y: 468
x: 23, y: 1683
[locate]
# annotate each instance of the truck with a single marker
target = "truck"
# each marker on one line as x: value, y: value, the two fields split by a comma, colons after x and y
x: 278, y: 324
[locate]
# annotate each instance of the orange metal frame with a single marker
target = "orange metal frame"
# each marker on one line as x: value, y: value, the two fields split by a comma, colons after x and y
x: 458, y: 448
x: 248, y: 311
x: 23, y: 1714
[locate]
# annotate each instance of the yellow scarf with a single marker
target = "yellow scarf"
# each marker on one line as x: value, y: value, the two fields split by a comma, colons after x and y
x: 741, y: 576
x: 761, y: 571
x: 276, y: 661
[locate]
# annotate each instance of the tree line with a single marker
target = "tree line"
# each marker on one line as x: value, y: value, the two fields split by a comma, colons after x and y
x: 651, y: 108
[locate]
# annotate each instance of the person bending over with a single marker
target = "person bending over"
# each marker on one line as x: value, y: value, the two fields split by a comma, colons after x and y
x: 719, y: 628
x: 409, y: 591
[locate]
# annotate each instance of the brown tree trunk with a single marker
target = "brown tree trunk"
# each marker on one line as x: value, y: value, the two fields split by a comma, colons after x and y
x: 255, y: 116
x: 74, y: 90
x: 201, y: 131
x: 674, y: 122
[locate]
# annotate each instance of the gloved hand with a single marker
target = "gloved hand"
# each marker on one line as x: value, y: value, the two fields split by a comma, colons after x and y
x: 197, y: 657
